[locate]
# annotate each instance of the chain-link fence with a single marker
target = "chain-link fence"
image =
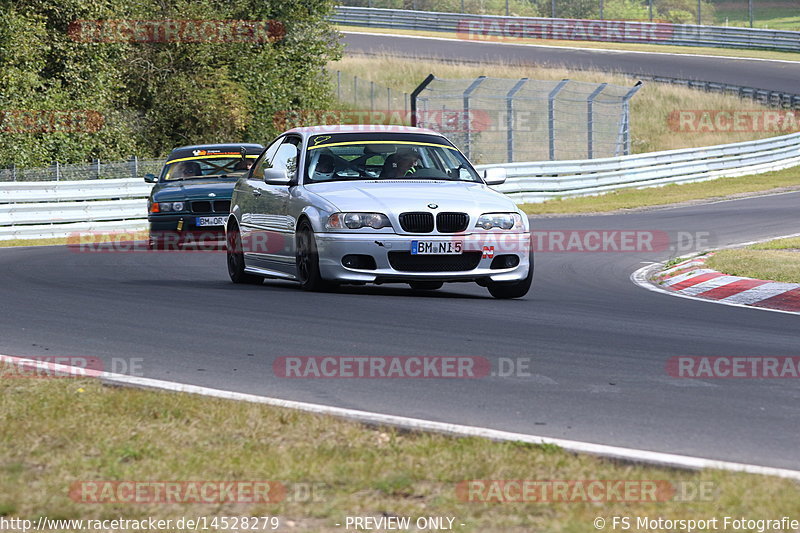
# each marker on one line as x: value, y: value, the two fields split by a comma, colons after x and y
x: 132, y: 168
x: 497, y: 120
x: 771, y: 14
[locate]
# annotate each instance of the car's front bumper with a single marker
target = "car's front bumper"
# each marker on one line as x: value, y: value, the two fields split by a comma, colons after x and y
x: 333, y: 247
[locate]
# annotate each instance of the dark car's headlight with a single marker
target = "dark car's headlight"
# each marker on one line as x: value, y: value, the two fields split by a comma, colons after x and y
x: 358, y: 221
x: 167, y: 207
x: 505, y: 221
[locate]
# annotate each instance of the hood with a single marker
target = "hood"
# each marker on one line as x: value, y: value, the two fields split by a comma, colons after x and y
x: 194, y: 189
x: 399, y: 196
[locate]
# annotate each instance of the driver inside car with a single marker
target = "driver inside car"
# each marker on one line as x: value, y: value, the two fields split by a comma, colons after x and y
x: 324, y: 168
x: 399, y: 164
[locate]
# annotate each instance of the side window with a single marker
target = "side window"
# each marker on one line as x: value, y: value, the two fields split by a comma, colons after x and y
x: 265, y: 161
x: 287, y: 155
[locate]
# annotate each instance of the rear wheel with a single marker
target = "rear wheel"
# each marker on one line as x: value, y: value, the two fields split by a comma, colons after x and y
x: 512, y: 289
x: 426, y: 285
x: 307, y: 260
x: 233, y: 246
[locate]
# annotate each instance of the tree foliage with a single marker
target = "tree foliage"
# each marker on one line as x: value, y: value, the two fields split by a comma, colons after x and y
x: 153, y: 96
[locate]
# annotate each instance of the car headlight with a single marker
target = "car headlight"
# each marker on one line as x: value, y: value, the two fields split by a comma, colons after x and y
x: 167, y: 207
x: 358, y: 221
x: 505, y: 221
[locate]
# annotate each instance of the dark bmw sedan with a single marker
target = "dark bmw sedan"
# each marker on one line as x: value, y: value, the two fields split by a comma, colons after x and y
x: 192, y: 196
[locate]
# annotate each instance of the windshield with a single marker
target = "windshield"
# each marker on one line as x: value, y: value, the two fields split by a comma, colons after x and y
x: 201, y: 167
x: 329, y: 159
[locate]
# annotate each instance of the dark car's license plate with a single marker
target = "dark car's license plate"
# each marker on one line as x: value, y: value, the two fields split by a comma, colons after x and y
x: 210, y: 221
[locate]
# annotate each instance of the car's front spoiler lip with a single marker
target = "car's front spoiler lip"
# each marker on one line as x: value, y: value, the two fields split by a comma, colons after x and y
x: 333, y: 246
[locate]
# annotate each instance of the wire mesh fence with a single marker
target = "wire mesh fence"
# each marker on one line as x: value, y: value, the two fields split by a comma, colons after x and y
x: 495, y: 120
x: 132, y: 168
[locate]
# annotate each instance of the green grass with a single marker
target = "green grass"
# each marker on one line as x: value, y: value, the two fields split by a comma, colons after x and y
x: 670, y: 194
x: 690, y: 50
x: 772, y: 14
x: 777, y: 260
x: 54, y: 432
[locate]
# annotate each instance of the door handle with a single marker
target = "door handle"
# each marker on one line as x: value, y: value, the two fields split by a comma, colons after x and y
x: 256, y: 193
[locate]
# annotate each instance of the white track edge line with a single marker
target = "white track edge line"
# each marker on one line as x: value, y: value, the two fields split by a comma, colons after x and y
x: 566, y: 47
x: 641, y: 277
x: 613, y: 452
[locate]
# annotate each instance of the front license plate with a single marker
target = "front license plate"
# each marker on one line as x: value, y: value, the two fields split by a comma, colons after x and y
x: 436, y: 247
x: 210, y: 221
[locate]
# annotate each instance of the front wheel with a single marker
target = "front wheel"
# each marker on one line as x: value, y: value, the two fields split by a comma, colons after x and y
x: 307, y: 260
x: 233, y: 247
x: 512, y: 289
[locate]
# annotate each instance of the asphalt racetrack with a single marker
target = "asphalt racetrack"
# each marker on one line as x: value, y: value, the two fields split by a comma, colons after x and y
x: 597, y: 344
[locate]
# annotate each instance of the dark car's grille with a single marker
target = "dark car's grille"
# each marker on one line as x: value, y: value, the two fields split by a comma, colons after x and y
x: 417, y: 222
x: 406, y: 262
x: 451, y: 222
x: 206, y: 206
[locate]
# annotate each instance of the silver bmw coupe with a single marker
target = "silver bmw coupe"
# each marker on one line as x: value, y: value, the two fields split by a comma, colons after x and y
x: 330, y: 205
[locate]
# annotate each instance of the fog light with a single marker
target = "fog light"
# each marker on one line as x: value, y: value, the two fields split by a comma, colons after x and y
x: 504, y: 261
x: 359, y: 262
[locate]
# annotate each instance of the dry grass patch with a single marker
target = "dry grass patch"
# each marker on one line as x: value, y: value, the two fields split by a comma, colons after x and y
x: 58, y: 431
x: 651, y: 127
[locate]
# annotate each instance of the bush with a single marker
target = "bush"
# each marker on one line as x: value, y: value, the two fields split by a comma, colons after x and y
x: 154, y: 96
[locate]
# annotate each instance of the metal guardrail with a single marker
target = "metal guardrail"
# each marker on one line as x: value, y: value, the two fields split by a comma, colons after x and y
x: 50, y: 209
x: 538, y: 182
x: 766, y: 97
x: 509, y: 29
x: 35, y: 202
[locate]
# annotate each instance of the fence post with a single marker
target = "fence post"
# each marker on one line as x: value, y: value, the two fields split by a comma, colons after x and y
x: 134, y: 166
x: 58, y: 174
x: 465, y: 113
x: 372, y: 96
x: 590, y: 124
x: 13, y: 172
x: 626, y: 121
x: 97, y: 169
x: 551, y: 117
x: 415, y: 93
x: 510, y: 118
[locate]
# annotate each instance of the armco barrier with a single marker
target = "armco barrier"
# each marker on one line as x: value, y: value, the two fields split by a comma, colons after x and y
x: 537, y: 182
x: 50, y: 209
x: 492, y: 27
x: 109, y: 205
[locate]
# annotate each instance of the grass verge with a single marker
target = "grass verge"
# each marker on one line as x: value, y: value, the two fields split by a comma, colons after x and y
x: 718, y: 189
x: 777, y: 260
x: 626, y: 47
x: 56, y: 432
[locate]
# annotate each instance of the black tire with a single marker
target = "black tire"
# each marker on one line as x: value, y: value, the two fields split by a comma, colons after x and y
x: 235, y: 256
x: 307, y: 260
x: 512, y: 289
x: 426, y: 285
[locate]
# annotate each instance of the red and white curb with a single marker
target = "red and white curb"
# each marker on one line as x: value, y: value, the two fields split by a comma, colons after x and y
x: 691, y: 279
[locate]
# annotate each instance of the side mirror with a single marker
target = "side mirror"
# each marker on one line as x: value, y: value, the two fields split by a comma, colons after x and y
x: 494, y: 176
x: 276, y: 176
x: 150, y: 178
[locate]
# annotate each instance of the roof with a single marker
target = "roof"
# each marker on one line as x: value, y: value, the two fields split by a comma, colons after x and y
x: 215, y: 149
x: 307, y: 131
